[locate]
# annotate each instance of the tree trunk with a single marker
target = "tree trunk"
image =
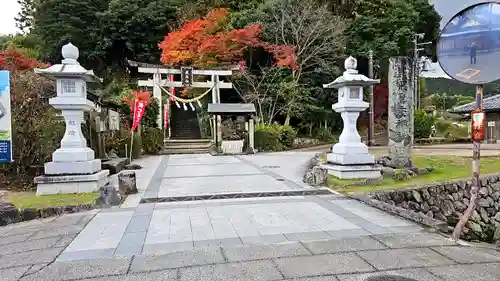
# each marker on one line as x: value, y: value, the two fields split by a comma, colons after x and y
x: 287, y: 119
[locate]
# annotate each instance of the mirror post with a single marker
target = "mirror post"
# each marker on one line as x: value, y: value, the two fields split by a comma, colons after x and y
x: 476, y: 164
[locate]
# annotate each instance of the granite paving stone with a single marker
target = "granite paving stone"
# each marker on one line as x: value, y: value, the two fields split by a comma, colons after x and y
x: 257, y: 252
x: 29, y: 258
x: 319, y: 278
x: 36, y: 267
x: 473, y: 272
x: 307, y: 236
x: 65, y: 240
x: 86, y: 254
x: 263, y: 239
x: 341, y: 233
x: 322, y: 265
x: 28, y: 245
x: 12, y: 274
x: 71, y: 270
x: 226, y: 242
x: 404, y: 240
x: 404, y: 258
x: 210, y: 170
x: 469, y: 254
x: 138, y: 224
x: 131, y: 244
x: 243, y: 271
x: 415, y: 274
x: 144, y: 263
x: 57, y: 231
x: 344, y: 245
x: 14, y: 238
x: 165, y: 248
x: 166, y: 275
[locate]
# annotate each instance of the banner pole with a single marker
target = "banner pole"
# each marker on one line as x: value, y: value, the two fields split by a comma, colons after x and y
x: 132, y: 128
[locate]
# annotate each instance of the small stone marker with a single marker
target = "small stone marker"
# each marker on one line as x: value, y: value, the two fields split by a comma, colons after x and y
x: 8, y: 214
x: 127, y: 182
x: 109, y: 195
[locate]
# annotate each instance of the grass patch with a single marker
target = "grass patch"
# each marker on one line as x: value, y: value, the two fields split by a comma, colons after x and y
x: 446, y: 168
x: 25, y: 200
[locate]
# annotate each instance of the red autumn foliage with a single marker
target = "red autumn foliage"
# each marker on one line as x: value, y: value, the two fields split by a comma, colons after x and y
x: 209, y: 42
x: 13, y: 59
x: 139, y: 95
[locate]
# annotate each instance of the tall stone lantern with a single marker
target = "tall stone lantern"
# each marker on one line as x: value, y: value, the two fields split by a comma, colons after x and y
x: 74, y: 168
x: 349, y: 158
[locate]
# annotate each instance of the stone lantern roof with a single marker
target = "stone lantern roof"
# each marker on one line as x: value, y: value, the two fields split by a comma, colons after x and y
x: 351, y: 77
x: 69, y: 68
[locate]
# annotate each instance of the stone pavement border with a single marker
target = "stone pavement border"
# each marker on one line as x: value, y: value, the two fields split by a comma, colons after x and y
x: 422, y: 257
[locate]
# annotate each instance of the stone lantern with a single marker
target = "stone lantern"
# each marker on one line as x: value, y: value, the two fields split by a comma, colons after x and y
x: 349, y: 158
x: 74, y: 168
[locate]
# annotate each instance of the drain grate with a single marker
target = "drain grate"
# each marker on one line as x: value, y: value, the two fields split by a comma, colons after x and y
x: 237, y: 195
x: 389, y: 278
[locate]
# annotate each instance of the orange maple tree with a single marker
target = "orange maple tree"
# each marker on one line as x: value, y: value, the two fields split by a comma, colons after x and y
x: 210, y: 42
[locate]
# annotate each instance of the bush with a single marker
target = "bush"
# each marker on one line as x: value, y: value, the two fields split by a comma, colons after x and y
x: 267, y: 138
x: 423, y: 124
x: 287, y: 135
x: 442, y: 126
x: 152, y: 140
x: 326, y: 135
x: 274, y: 137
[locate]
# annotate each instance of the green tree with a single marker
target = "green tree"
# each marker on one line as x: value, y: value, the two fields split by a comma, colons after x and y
x: 24, y: 20
x: 132, y: 29
x: 387, y: 27
x: 57, y: 22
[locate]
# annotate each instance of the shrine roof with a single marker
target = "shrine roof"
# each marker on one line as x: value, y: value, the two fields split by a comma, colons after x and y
x: 489, y: 104
x: 231, y: 108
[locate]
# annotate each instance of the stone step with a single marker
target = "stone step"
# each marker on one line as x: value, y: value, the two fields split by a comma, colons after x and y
x: 185, y: 151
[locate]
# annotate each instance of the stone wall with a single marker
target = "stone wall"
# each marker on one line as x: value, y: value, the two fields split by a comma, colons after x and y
x: 447, y: 201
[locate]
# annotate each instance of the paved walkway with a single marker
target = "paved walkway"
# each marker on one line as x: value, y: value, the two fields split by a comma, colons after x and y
x: 250, y: 238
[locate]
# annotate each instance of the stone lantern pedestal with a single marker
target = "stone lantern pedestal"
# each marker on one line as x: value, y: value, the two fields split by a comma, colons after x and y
x: 349, y: 158
x: 74, y: 168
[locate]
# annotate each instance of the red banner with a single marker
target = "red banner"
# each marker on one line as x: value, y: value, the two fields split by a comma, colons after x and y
x: 165, y: 114
x: 139, y: 109
x: 172, y: 89
x: 478, y: 125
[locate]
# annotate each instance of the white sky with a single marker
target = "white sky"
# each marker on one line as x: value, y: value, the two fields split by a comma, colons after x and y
x: 8, y: 11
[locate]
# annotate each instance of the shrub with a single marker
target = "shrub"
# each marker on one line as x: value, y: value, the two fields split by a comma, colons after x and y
x: 274, y: 137
x: 287, y: 135
x: 267, y: 138
x: 442, y: 126
x: 326, y: 135
x: 152, y: 140
x: 423, y: 124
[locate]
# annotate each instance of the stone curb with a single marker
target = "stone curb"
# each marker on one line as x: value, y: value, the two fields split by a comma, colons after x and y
x: 418, y: 218
x: 28, y: 214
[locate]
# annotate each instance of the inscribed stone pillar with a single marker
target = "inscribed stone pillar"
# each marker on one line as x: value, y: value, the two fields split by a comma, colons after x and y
x: 400, y: 123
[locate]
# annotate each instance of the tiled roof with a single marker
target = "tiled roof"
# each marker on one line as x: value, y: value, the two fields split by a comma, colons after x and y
x: 234, y: 108
x: 490, y: 103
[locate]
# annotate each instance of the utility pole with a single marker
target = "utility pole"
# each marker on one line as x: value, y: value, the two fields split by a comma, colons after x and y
x: 417, y: 47
x: 371, y: 121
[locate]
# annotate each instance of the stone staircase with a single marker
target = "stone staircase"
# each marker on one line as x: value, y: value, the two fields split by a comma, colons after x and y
x: 187, y: 146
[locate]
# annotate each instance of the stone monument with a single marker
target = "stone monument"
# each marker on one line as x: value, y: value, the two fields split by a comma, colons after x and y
x: 400, y: 108
x: 74, y: 168
x: 350, y: 158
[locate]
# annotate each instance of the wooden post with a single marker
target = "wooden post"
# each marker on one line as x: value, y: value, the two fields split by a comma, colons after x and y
x: 251, y: 138
x: 476, y: 183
